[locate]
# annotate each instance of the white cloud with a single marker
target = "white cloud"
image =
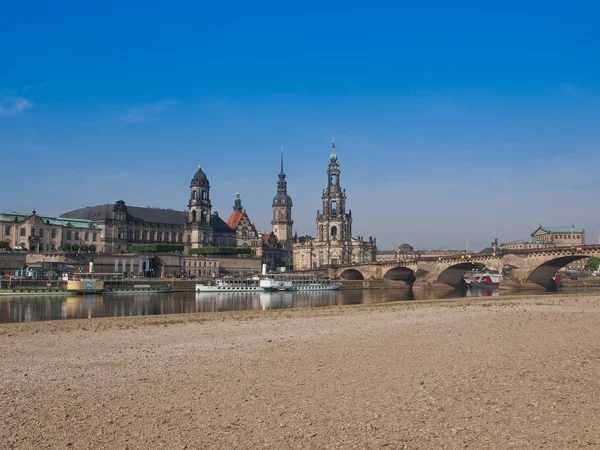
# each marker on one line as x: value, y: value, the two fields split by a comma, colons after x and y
x: 146, y: 112
x: 14, y: 106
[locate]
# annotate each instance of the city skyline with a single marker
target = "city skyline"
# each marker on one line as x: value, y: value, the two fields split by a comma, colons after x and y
x: 449, y: 122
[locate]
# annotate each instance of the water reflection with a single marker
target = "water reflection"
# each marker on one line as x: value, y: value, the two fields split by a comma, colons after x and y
x: 55, y: 307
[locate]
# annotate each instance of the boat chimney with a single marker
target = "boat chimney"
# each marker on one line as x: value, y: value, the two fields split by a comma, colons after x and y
x: 264, y: 269
x: 91, y: 269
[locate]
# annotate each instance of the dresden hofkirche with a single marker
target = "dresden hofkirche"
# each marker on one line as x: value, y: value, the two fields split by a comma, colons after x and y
x: 334, y: 243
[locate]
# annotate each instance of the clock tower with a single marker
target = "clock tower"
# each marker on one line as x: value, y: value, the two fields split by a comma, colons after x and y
x: 282, y: 211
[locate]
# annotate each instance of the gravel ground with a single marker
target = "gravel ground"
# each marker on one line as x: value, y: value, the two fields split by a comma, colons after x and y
x: 501, y: 373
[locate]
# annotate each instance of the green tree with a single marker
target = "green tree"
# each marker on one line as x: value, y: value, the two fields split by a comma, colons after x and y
x: 92, y: 248
x: 66, y: 247
x: 75, y: 247
x: 592, y: 264
x: 3, y: 245
x: 85, y: 247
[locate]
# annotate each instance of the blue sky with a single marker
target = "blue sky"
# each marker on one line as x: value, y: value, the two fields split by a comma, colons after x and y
x: 450, y: 119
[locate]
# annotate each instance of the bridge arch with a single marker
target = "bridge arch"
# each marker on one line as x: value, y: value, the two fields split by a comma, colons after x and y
x: 400, y: 274
x: 544, y: 273
x: 453, y: 275
x: 352, y: 274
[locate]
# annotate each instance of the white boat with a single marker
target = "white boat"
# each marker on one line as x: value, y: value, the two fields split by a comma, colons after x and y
x: 277, y: 282
x: 231, y: 285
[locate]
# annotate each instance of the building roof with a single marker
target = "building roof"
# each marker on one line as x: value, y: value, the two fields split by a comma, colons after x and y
x: 134, y: 214
x: 266, y: 238
x: 234, y: 219
x: 200, y: 178
x: 217, y: 223
x: 559, y: 230
x: 50, y: 220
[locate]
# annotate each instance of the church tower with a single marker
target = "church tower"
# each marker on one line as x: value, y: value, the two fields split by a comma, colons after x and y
x: 282, y: 211
x: 199, y: 210
x: 334, y: 225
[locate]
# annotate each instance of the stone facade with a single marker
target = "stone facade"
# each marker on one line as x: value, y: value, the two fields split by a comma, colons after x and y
x: 272, y: 252
x: 246, y: 235
x: 199, y: 266
x: 334, y: 243
x: 122, y: 225
x: 36, y: 233
x: 560, y: 236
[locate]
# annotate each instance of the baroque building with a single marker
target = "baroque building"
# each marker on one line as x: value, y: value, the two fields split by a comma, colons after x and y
x: 334, y: 243
x: 37, y: 233
x: 120, y: 225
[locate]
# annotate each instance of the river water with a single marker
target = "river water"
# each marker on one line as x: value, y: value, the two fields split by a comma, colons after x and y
x: 59, y: 307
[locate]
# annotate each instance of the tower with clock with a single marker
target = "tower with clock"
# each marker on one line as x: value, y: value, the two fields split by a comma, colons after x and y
x: 282, y: 211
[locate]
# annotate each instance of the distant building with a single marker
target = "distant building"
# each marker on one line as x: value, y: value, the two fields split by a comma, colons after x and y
x: 547, y: 237
x: 560, y: 236
x: 334, y: 243
x: 526, y: 244
x: 39, y: 233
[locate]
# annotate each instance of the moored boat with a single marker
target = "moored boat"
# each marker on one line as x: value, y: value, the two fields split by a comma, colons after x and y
x: 231, y: 285
x: 277, y: 282
x: 483, y: 279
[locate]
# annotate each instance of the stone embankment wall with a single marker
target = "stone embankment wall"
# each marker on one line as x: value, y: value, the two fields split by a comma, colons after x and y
x: 162, y: 264
x: 374, y: 284
x: 588, y: 282
x: 9, y: 262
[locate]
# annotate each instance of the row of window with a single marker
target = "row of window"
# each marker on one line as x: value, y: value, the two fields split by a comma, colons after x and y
x: 202, y: 263
x: 34, y: 232
x: 150, y: 236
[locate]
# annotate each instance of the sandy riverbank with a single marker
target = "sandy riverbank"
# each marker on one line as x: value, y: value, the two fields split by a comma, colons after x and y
x: 501, y: 373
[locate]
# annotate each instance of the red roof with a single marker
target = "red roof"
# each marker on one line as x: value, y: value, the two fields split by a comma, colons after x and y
x: 267, y: 236
x: 234, y: 219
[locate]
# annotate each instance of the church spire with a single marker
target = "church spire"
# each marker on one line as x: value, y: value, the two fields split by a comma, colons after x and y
x: 282, y: 172
x: 333, y: 156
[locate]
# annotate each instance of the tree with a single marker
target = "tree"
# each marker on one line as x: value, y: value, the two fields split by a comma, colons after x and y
x: 66, y: 247
x: 3, y: 245
x: 75, y: 247
x: 592, y: 264
x: 92, y: 248
x: 84, y: 247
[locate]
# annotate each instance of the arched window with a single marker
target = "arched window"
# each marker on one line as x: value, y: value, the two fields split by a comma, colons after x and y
x: 333, y: 180
x: 244, y: 232
x: 203, y: 217
x: 333, y: 208
x: 334, y: 233
x: 203, y: 194
x: 194, y: 195
x: 194, y: 216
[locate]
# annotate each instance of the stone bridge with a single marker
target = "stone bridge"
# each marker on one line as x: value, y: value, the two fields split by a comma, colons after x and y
x: 519, y: 267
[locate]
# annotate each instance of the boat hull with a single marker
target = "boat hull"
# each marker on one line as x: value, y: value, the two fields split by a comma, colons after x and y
x: 211, y: 288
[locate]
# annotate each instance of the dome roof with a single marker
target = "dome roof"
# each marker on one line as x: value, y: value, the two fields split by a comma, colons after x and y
x: 282, y: 199
x: 200, y: 177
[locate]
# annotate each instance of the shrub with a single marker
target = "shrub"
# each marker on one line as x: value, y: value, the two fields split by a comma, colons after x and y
x: 220, y: 251
x: 159, y: 248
